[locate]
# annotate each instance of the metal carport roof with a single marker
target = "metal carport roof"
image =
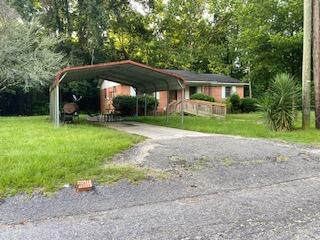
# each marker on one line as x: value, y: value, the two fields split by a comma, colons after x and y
x: 144, y: 78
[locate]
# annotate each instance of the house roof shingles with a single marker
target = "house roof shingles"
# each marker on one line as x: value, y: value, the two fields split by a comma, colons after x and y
x: 203, y: 77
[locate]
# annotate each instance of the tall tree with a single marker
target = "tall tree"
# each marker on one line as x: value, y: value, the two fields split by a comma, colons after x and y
x: 316, y: 59
x: 27, y: 56
x: 307, y: 63
x: 269, y: 40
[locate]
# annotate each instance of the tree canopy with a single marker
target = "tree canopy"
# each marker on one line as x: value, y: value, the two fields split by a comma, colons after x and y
x: 247, y: 39
x: 27, y: 56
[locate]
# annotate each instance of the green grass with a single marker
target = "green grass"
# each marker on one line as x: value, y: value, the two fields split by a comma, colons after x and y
x: 35, y: 155
x: 247, y: 125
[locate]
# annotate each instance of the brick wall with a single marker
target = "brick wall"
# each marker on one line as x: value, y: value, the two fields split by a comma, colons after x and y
x: 216, y: 93
x: 162, y: 101
x: 240, y: 91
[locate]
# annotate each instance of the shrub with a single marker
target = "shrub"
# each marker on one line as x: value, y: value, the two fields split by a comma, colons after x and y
x: 202, y: 97
x: 126, y: 105
x: 249, y: 105
x: 227, y: 102
x: 235, y: 101
x: 278, y: 103
x: 150, y: 104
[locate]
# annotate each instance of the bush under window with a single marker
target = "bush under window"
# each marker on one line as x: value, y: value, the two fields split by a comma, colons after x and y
x: 202, y: 97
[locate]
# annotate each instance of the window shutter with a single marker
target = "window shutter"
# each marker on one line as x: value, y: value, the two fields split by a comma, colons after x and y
x: 223, y: 92
x: 187, y: 93
x: 234, y: 90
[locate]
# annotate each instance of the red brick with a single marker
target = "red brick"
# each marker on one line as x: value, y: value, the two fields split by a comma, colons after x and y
x: 84, y: 186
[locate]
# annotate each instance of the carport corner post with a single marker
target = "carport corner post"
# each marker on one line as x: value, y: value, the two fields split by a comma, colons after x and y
x: 182, y: 106
x: 137, y: 103
x: 54, y: 105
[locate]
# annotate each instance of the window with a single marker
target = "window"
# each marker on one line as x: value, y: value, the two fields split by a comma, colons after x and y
x: 228, y: 92
x: 192, y: 90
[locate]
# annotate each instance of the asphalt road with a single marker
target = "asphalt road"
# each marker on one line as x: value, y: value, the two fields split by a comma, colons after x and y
x: 216, y: 187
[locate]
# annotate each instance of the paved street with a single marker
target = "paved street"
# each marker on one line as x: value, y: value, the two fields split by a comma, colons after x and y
x: 214, y: 187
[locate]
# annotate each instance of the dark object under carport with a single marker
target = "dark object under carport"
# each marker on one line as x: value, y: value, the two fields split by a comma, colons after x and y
x: 70, y: 112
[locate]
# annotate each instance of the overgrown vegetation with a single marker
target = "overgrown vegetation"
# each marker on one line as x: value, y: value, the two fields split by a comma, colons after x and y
x: 126, y: 105
x: 35, y: 155
x: 202, y: 97
x: 279, y: 103
x: 249, y: 105
x: 235, y: 102
x: 237, y: 105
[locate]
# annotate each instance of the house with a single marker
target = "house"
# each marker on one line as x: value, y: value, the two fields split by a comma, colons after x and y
x: 218, y: 86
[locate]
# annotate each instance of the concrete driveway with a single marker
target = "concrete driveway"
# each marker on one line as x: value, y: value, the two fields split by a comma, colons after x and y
x: 154, y: 132
x: 215, y: 187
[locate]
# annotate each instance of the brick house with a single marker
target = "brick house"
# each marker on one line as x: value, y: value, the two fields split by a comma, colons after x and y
x: 218, y: 86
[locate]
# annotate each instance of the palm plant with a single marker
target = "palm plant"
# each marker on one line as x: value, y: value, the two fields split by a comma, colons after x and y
x: 279, y: 103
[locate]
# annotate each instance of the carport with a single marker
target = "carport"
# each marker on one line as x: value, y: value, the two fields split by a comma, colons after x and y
x: 145, y: 80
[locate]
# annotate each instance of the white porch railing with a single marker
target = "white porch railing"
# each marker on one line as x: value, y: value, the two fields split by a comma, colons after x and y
x: 199, y: 108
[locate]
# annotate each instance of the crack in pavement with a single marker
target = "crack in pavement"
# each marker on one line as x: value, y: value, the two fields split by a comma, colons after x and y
x: 185, y: 198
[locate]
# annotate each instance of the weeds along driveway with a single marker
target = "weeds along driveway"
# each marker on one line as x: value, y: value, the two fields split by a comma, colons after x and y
x: 213, y: 187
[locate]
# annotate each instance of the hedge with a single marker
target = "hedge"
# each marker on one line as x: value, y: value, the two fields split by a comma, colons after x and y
x: 126, y: 105
x: 202, y: 97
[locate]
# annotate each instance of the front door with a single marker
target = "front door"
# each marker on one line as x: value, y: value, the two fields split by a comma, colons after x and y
x: 173, y: 96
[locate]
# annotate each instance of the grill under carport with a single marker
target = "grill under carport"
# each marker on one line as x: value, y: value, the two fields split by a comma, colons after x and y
x: 143, y: 78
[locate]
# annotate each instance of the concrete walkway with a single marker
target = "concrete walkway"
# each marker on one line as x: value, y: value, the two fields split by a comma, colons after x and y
x: 154, y: 132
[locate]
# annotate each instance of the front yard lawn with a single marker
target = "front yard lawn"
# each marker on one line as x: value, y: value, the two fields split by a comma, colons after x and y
x: 247, y: 125
x: 35, y: 155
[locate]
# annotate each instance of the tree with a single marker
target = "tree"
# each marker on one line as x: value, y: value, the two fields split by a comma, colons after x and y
x: 307, y: 62
x: 316, y: 60
x: 268, y: 40
x: 27, y: 56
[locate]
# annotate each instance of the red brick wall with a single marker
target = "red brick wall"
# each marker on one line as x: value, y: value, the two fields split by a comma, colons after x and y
x: 240, y: 91
x: 216, y: 93
x: 122, y: 90
x: 162, y: 101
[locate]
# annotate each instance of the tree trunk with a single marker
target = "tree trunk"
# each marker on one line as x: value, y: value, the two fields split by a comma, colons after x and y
x: 316, y: 60
x: 69, y: 30
x: 306, y: 68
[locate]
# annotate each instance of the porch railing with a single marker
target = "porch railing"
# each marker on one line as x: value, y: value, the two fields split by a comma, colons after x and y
x: 199, y: 108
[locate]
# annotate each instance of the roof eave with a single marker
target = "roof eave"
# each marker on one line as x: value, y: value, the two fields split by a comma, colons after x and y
x: 212, y: 83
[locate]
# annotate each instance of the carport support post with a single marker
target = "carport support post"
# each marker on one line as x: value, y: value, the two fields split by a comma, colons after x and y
x: 137, y: 103
x: 56, y: 106
x: 182, y: 105
x: 50, y: 104
x: 155, y: 103
x: 167, y: 107
x: 145, y: 105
